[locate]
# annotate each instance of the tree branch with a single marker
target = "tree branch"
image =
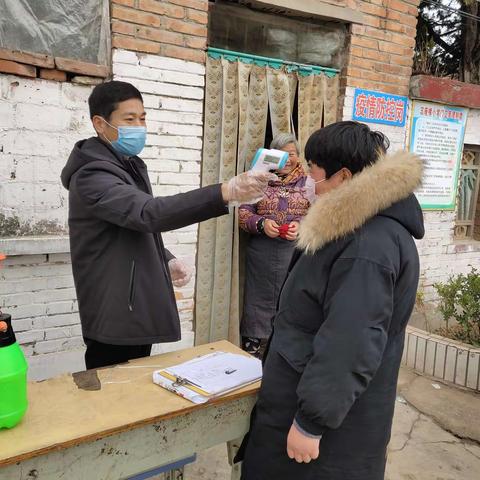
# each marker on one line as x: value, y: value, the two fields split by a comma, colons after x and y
x: 438, y: 39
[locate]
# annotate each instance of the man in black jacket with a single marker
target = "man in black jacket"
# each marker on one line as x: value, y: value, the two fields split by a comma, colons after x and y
x: 122, y: 271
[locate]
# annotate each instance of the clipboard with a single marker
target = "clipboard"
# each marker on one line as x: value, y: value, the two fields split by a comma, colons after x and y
x: 209, y: 376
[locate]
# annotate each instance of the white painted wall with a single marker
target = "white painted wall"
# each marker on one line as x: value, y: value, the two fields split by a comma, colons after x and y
x: 39, y: 123
x: 40, y: 120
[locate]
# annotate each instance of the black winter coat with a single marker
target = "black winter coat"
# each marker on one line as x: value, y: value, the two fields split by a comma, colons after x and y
x: 339, y: 331
x: 120, y: 266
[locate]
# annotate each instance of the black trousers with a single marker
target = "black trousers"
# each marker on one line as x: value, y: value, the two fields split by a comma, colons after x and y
x: 102, y: 354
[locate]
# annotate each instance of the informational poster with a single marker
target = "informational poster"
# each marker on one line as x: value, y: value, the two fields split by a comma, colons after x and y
x: 378, y: 107
x: 436, y: 134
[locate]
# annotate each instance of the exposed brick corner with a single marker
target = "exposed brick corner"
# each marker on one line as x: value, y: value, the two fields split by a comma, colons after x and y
x: 172, y: 28
x: 52, y: 74
x: 15, y: 68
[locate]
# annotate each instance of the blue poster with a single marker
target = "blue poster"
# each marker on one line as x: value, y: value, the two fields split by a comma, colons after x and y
x: 378, y: 107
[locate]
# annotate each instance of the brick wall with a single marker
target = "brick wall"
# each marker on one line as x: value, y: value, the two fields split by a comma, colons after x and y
x: 380, y: 58
x: 174, y: 28
x: 39, y: 123
x: 37, y: 290
x: 173, y: 92
x: 381, y: 50
x: 440, y: 254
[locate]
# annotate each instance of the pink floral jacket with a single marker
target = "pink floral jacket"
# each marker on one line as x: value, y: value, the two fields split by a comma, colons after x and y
x: 284, y: 201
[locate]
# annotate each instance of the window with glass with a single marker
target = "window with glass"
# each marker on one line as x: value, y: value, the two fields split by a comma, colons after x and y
x: 76, y: 30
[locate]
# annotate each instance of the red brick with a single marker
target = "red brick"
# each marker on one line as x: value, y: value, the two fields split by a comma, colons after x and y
x: 184, y: 27
x: 379, y: 11
x: 197, y: 4
x: 364, y: 42
x: 403, y: 7
x: 353, y: 72
x: 6, y: 66
x: 362, y: 63
x: 135, y: 44
x: 373, y: 21
x: 377, y: 33
x: 159, y: 35
x: 396, y: 27
x: 126, y: 3
x: 357, y: 29
x: 377, y: 86
x: 393, y: 69
x: 196, y: 16
x: 392, y: 48
x: 406, y: 61
x: 373, y: 76
x: 162, y: 8
x: 135, y: 16
x: 402, y: 40
x: 396, y: 79
x: 410, y: 31
x: 36, y: 59
x: 123, y: 27
x: 52, y: 74
x: 196, y: 42
x: 184, y: 53
x: 83, y: 68
x: 375, y: 55
x: 402, y: 18
x: 356, y: 51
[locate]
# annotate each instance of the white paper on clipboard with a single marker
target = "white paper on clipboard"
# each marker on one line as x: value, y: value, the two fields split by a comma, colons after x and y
x: 218, y: 372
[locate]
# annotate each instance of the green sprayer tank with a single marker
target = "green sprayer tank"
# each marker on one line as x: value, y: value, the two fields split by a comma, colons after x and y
x: 13, y: 376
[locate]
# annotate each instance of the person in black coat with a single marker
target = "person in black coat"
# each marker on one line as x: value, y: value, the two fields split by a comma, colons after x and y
x: 123, y: 273
x: 327, y: 398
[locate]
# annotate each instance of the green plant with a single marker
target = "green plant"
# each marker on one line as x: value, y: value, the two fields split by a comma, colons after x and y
x: 420, y: 298
x: 460, y: 301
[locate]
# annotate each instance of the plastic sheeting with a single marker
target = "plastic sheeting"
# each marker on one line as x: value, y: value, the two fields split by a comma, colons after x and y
x: 75, y: 29
x: 274, y: 36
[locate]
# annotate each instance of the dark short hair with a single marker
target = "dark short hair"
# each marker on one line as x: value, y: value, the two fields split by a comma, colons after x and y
x: 105, y: 97
x: 345, y: 144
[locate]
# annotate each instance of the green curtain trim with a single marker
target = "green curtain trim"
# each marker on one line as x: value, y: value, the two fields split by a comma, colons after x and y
x: 302, y: 69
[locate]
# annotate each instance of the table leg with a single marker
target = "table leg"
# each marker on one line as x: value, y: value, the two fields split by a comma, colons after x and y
x: 232, y: 449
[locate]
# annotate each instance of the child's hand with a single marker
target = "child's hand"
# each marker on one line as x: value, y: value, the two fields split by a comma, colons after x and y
x: 300, y: 447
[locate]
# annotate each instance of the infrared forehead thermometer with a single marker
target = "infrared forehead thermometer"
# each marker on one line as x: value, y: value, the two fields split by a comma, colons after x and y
x: 266, y: 160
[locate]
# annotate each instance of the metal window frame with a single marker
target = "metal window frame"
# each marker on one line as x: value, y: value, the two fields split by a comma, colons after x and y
x: 470, y: 224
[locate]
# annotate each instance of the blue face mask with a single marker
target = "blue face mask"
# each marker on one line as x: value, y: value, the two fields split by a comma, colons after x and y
x: 131, y: 140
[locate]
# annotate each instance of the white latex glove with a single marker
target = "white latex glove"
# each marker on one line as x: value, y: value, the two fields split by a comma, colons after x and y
x: 248, y: 187
x: 180, y: 272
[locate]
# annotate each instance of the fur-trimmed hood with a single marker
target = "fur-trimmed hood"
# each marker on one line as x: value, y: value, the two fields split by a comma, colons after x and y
x: 378, y: 189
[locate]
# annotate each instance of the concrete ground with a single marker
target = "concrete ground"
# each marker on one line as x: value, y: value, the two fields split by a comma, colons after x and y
x: 436, y: 435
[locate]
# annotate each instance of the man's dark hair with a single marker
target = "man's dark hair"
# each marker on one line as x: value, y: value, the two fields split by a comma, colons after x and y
x: 106, y: 96
x: 346, y: 144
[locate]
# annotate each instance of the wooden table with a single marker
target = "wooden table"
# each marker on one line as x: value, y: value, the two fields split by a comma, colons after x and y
x: 114, y: 423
